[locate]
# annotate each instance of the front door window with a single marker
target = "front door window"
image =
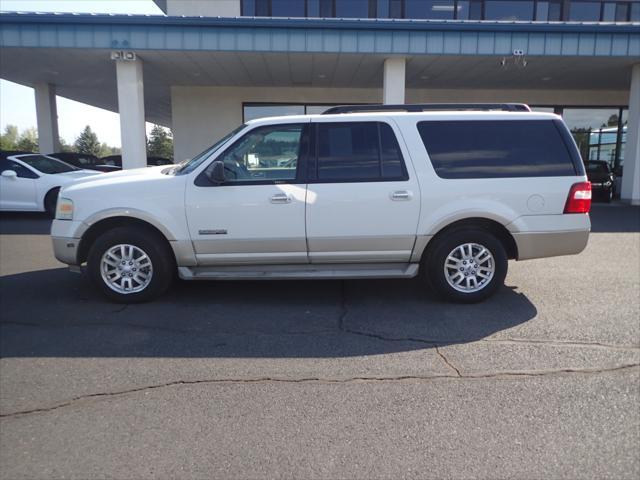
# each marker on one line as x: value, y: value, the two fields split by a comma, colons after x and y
x: 263, y: 154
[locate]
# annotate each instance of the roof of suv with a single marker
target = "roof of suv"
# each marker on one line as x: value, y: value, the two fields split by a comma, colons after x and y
x: 430, y: 115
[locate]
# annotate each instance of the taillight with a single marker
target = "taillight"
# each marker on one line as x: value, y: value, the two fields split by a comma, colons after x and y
x: 579, y: 200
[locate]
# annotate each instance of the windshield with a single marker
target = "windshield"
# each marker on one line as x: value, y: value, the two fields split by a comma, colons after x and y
x: 187, y: 166
x: 46, y: 165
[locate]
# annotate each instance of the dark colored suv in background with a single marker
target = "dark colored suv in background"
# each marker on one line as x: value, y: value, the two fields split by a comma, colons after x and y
x: 602, y: 179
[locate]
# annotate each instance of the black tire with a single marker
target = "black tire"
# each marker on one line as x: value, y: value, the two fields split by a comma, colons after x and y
x: 443, y: 245
x: 50, y: 201
x: 156, y: 248
x: 608, y: 195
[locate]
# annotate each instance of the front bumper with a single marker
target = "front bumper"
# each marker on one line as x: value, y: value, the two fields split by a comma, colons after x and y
x: 65, y: 237
x: 66, y: 249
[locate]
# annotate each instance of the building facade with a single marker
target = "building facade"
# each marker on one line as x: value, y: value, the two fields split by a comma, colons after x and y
x: 209, y: 65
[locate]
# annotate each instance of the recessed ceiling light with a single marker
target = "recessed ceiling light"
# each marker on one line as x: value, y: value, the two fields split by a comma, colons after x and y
x: 424, y: 77
x: 322, y: 75
x: 546, y: 79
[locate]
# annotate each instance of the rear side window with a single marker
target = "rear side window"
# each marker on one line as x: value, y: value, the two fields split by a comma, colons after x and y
x: 358, y: 151
x: 496, y: 149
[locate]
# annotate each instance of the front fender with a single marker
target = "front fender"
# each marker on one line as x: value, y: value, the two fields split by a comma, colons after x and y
x: 131, y: 213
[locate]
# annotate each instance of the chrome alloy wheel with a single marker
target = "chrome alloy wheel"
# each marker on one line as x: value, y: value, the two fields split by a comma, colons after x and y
x: 469, y: 267
x: 126, y: 269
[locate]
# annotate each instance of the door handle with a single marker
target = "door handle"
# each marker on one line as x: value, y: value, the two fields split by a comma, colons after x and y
x: 401, y: 195
x: 280, y: 198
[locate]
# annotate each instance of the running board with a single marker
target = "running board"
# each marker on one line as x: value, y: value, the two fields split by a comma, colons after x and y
x: 309, y: 272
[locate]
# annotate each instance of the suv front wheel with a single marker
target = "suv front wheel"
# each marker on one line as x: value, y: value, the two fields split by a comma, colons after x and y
x: 130, y: 264
x: 466, y: 265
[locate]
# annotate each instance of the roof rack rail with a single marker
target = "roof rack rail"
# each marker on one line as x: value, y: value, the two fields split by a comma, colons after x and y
x: 422, y: 107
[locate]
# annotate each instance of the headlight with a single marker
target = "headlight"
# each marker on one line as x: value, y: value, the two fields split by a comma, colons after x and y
x: 64, y: 209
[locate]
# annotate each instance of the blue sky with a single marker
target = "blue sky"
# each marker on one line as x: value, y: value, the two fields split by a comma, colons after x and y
x: 17, y: 104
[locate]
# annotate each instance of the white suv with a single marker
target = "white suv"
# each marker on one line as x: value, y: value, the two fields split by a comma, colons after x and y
x: 358, y: 192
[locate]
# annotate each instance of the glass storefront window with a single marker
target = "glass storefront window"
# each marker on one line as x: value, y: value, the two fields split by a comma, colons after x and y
x: 595, y: 131
x: 519, y: 10
x: 317, y: 109
x: 251, y: 112
x: 584, y: 11
x: 437, y: 10
x: 508, y: 10
x: 623, y: 136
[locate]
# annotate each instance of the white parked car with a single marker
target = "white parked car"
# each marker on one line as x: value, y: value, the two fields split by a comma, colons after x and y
x: 30, y: 182
x: 349, y: 194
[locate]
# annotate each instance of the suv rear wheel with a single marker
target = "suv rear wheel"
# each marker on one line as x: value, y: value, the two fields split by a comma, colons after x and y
x: 130, y: 264
x: 466, y: 265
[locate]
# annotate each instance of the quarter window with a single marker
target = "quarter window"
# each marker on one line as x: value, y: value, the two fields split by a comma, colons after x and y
x: 358, y: 151
x: 495, y: 149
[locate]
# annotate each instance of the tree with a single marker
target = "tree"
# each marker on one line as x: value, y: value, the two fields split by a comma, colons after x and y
x: 160, y: 143
x: 64, y: 146
x: 28, y: 141
x: 9, y: 138
x: 106, y: 150
x: 88, y: 142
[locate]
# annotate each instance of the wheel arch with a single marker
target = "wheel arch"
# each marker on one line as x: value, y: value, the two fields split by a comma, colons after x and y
x: 50, y: 191
x: 492, y: 226
x: 101, y: 226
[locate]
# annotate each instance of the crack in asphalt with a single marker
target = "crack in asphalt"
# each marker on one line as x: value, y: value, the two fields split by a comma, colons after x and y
x: 319, y: 380
x: 446, y: 361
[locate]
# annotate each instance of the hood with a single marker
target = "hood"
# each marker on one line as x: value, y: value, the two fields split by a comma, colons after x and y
x: 137, y: 175
x: 78, y: 174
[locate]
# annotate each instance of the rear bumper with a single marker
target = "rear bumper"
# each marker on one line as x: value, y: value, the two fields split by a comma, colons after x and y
x: 550, y: 244
x: 550, y: 235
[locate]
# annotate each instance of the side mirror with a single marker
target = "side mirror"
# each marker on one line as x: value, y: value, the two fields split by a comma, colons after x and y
x: 9, y: 174
x: 216, y: 174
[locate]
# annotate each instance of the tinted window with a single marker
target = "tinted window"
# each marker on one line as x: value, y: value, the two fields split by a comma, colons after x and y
x: 593, y: 167
x: 358, y: 151
x: 548, y: 11
x: 584, y: 11
x: 326, y: 8
x: 352, y: 8
x: 287, y: 8
x: 490, y: 149
x: 262, y: 8
x: 622, y: 12
x: 433, y: 9
x: 508, y: 10
x: 47, y: 165
x: 635, y: 12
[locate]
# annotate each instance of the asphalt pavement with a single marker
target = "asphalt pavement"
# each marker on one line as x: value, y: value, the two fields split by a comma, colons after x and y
x: 323, y: 379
